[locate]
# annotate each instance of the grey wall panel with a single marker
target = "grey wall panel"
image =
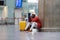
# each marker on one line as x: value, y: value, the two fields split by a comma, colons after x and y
x: 49, y: 13
x: 52, y: 13
x: 41, y: 10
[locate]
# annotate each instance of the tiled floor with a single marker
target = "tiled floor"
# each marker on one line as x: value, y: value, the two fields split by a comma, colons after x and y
x: 40, y: 36
x: 11, y: 32
x: 7, y: 32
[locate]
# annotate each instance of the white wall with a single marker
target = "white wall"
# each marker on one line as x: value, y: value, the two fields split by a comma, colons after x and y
x: 18, y: 14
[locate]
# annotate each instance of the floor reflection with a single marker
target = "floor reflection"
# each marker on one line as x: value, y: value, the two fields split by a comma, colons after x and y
x: 11, y: 32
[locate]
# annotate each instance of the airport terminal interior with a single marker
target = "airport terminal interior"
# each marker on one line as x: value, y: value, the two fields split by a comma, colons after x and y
x: 14, y: 17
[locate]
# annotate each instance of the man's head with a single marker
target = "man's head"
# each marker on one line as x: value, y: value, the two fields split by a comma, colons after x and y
x: 33, y: 15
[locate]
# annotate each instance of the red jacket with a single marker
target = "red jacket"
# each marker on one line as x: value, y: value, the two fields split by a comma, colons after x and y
x: 36, y: 19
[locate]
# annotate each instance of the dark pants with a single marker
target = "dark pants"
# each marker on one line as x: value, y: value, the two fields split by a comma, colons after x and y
x: 28, y: 28
x: 39, y: 29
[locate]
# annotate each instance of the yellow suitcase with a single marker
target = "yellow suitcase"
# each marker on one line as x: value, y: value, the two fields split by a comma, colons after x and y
x: 22, y: 25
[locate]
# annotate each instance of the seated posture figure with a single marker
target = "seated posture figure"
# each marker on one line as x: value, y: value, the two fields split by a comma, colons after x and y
x: 34, y: 22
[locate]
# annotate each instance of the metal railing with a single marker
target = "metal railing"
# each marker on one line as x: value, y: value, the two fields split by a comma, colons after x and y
x: 10, y: 20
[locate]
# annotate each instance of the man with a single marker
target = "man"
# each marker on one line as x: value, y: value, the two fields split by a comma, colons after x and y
x: 34, y: 23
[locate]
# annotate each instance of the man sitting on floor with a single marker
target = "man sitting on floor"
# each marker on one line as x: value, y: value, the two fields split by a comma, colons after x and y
x: 34, y: 23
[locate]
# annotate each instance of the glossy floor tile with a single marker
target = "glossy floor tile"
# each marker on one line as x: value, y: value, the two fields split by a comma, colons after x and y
x: 11, y: 32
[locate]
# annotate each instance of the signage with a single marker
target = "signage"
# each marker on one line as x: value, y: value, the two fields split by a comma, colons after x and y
x: 18, y: 3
